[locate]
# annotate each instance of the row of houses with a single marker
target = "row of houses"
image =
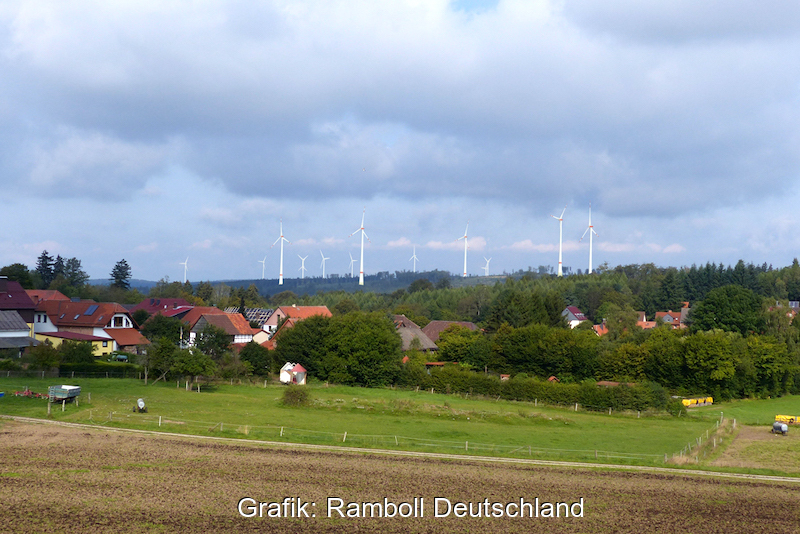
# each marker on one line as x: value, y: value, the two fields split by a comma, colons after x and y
x: 677, y: 320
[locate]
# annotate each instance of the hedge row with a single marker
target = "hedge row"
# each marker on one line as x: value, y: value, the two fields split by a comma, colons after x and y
x: 451, y: 379
x: 114, y: 370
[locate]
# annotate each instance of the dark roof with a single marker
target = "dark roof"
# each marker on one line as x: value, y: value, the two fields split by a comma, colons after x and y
x: 85, y: 313
x: 157, y: 305
x: 38, y: 295
x: 17, y: 342
x: 434, y: 328
x: 578, y: 314
x: 13, y: 297
x: 409, y: 331
x: 11, y: 321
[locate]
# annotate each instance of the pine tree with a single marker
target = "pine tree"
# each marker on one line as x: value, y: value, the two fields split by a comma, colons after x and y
x: 121, y: 275
x: 44, y: 266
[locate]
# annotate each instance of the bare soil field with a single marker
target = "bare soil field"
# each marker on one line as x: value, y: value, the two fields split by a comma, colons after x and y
x: 757, y: 447
x: 59, y: 479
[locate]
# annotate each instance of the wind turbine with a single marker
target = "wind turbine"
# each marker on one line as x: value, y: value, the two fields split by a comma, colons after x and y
x: 486, y: 268
x: 414, y: 259
x: 591, y: 231
x: 363, y: 235
x: 323, y: 263
x: 302, y: 268
x: 185, y: 268
x: 464, y: 237
x: 560, y: 220
x: 352, y: 261
x: 263, y: 265
x: 281, y: 239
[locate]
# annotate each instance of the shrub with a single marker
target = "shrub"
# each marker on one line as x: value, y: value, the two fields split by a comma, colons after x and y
x: 295, y: 395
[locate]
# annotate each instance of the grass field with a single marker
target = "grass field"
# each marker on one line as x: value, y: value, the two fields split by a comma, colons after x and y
x: 57, y: 479
x: 372, y: 418
x: 754, y: 411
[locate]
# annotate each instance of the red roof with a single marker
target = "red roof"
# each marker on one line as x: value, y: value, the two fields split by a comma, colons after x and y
x: 156, y: 305
x: 73, y: 336
x: 233, y: 323
x: 198, y: 311
x: 298, y: 369
x: 64, y: 313
x: 13, y: 297
x: 304, y: 312
x: 38, y: 295
x: 126, y: 337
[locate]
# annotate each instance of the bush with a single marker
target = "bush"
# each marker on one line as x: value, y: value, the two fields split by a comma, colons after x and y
x: 295, y: 395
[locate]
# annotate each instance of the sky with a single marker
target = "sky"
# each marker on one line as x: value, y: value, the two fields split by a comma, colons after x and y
x: 157, y: 131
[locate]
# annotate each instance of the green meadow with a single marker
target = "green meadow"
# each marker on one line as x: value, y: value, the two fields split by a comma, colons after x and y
x: 755, y: 411
x: 362, y: 417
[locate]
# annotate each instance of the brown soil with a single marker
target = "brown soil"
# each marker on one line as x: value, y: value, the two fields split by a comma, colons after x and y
x: 755, y: 447
x: 57, y: 479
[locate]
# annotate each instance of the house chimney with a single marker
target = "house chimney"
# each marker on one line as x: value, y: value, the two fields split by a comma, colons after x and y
x: 3, y: 283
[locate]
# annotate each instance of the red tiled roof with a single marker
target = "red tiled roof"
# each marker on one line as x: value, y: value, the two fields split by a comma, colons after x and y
x: 195, y: 313
x: 434, y: 328
x: 157, y: 305
x: 600, y: 329
x: 233, y: 323
x: 577, y: 313
x: 13, y: 297
x: 304, y: 312
x: 38, y: 295
x: 64, y: 313
x: 126, y: 337
x: 73, y: 336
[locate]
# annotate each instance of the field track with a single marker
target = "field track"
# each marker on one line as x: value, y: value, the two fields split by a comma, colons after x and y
x: 418, y: 454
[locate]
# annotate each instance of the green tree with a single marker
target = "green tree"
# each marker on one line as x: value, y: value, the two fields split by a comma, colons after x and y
x: 205, y: 291
x: 214, y: 341
x: 44, y: 267
x: 76, y: 351
x: 121, y: 275
x: 19, y: 273
x: 420, y: 284
x: 74, y: 273
x: 140, y: 316
x: 304, y: 344
x: 160, y: 326
x: 258, y: 357
x: 345, y: 306
x: 45, y: 356
x: 363, y: 349
x: 192, y: 362
x: 731, y: 308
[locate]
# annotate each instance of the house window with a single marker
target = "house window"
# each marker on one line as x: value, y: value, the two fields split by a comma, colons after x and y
x: 105, y: 343
x: 117, y: 322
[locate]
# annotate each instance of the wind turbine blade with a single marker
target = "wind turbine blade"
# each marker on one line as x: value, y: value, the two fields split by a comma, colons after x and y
x: 584, y: 233
x: 365, y: 235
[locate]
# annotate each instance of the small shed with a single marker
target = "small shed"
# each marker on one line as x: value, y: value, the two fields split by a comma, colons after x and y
x: 293, y: 373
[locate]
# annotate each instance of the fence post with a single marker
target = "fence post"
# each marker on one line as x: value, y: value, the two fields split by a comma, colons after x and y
x: 466, y: 445
x: 638, y: 414
x: 265, y: 383
x: 159, y: 421
x: 63, y: 405
x: 90, y: 397
x: 345, y: 437
x: 73, y: 374
x: 281, y: 431
x: 609, y: 410
x: 576, y: 406
x: 535, y: 402
x: 48, y: 408
x: 110, y: 416
x: 395, y: 441
x: 595, y: 454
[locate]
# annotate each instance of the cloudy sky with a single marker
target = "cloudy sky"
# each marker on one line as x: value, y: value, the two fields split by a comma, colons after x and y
x: 155, y: 131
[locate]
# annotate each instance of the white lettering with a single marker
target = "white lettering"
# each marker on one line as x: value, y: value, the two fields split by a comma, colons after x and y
x: 251, y: 507
x: 337, y: 507
x: 441, y: 500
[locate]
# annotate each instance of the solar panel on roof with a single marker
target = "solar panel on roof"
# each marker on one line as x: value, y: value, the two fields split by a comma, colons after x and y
x: 91, y: 309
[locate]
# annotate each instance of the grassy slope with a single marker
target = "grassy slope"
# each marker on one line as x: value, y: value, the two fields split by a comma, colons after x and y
x: 360, y: 411
x: 754, y: 412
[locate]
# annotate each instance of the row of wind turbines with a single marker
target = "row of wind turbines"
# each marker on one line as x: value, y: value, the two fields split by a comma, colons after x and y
x: 282, y: 239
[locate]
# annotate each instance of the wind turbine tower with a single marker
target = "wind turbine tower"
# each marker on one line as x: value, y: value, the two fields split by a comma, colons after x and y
x: 302, y: 268
x: 414, y: 259
x: 281, y: 239
x: 323, y: 263
x: 363, y: 235
x: 464, y: 237
x: 185, y: 268
x: 560, y: 220
x: 263, y: 265
x: 352, y: 261
x: 591, y: 231
x: 486, y: 268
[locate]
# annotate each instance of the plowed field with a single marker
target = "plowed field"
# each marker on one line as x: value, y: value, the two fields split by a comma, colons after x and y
x: 57, y: 479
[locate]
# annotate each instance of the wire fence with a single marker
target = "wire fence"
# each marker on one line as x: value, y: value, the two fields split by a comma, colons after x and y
x: 301, y: 435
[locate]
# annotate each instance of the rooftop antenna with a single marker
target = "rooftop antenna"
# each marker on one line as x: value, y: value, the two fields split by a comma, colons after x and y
x: 323, y: 263
x: 591, y: 231
x: 281, y: 239
x: 352, y: 261
x: 185, y: 268
x: 560, y: 220
x: 464, y: 237
x: 302, y: 268
x: 263, y: 265
x: 486, y: 268
x: 363, y: 235
x: 414, y: 259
